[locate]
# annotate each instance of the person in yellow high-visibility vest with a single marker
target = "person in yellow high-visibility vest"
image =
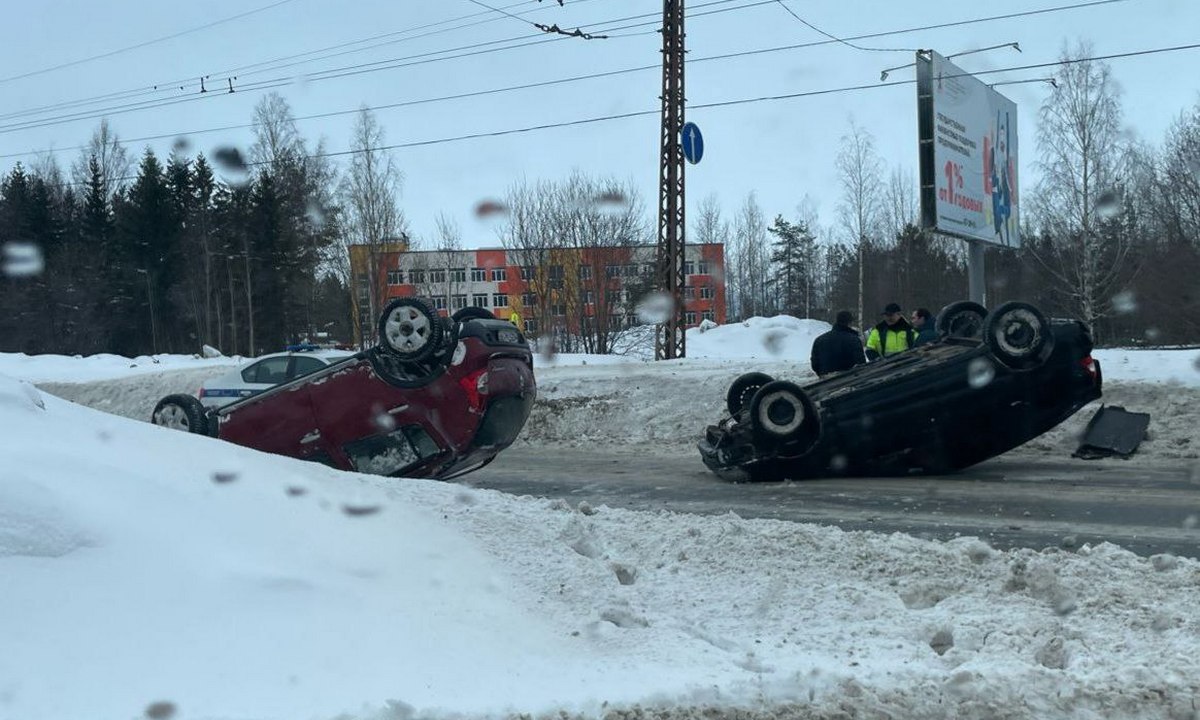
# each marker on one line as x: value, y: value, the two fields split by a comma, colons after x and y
x: 515, y: 319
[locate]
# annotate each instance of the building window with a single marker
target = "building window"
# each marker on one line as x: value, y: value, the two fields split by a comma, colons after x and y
x: 558, y: 309
x: 458, y: 275
x: 708, y: 315
x: 614, y: 321
x: 416, y: 277
x: 479, y: 300
x: 648, y: 268
x: 499, y: 300
x: 439, y: 303
x: 689, y: 267
x: 589, y: 297
x: 612, y: 297
x: 612, y: 271
x: 437, y: 276
x: 631, y: 320
x: 364, y: 287
x: 631, y: 270
x: 689, y: 318
x: 531, y: 326
x: 499, y: 274
x: 529, y: 299
x: 458, y: 302
x: 478, y: 275
x: 556, y: 272
x: 689, y: 293
x: 707, y: 292
x: 395, y: 277
x: 585, y: 272
x: 526, y: 272
x: 702, y: 267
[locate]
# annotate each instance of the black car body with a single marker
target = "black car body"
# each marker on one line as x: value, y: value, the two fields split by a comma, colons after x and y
x: 988, y: 384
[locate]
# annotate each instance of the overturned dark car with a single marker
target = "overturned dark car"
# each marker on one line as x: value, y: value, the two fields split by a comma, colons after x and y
x: 990, y: 382
x: 436, y: 397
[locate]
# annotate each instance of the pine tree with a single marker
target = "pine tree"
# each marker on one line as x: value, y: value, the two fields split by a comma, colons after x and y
x: 793, y: 255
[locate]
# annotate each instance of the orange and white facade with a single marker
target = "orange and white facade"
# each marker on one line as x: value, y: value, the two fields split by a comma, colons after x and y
x: 550, y: 287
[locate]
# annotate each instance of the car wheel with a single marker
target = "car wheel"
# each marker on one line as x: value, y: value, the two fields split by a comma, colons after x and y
x: 1019, y: 335
x: 181, y: 412
x: 781, y: 412
x: 410, y: 329
x: 743, y: 389
x: 962, y: 320
x: 472, y: 313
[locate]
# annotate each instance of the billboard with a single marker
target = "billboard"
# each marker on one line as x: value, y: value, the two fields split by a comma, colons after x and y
x: 967, y: 155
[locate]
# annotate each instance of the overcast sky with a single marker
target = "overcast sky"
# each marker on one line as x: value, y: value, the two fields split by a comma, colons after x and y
x: 782, y: 150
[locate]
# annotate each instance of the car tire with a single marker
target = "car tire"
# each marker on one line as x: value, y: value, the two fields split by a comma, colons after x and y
x: 181, y: 412
x: 410, y: 329
x: 743, y: 389
x: 472, y: 313
x: 963, y: 319
x: 1019, y: 335
x: 782, y: 413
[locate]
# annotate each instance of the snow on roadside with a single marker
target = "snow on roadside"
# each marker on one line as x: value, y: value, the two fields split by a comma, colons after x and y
x: 145, y: 565
x: 77, y: 368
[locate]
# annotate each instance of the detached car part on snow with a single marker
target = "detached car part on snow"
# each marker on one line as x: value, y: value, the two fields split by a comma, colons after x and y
x: 991, y: 382
x: 435, y: 398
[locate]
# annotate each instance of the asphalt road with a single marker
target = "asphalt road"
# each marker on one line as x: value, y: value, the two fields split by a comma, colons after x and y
x: 1013, y: 501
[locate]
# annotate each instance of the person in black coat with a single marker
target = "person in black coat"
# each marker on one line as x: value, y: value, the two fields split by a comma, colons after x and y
x: 839, y: 349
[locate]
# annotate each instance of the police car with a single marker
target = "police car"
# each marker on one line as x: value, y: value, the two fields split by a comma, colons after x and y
x: 267, y: 372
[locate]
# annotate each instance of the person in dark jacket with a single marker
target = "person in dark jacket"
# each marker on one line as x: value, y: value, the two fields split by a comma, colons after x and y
x: 892, y: 335
x: 839, y: 349
x: 922, y: 322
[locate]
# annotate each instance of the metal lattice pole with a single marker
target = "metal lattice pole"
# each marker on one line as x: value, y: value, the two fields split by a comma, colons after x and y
x: 670, y: 339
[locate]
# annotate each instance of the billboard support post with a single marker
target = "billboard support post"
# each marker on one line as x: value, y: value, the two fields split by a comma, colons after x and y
x: 976, y: 291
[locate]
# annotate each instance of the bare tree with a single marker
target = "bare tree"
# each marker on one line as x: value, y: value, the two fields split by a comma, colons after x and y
x: 370, y: 192
x: 114, y: 160
x: 900, y: 205
x: 751, y: 258
x: 860, y: 171
x: 1082, y: 153
x: 711, y: 228
x: 276, y: 138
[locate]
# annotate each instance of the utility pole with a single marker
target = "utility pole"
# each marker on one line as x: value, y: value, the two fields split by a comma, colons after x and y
x: 670, y: 339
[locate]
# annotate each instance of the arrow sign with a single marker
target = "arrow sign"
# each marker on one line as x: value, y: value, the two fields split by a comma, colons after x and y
x: 693, y: 143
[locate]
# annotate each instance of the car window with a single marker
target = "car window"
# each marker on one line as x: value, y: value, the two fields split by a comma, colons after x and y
x: 270, y: 371
x: 305, y: 365
x: 391, y: 453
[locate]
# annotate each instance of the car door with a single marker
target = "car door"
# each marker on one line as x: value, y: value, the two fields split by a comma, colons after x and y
x: 303, y: 365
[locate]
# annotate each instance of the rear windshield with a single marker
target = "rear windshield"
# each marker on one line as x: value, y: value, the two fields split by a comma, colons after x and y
x: 392, y: 453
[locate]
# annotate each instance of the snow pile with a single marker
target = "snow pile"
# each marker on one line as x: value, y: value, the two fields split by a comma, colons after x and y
x: 150, y: 568
x: 77, y: 368
x: 780, y: 337
x: 1151, y: 366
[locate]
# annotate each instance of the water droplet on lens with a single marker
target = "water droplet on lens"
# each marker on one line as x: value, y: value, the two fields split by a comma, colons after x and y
x: 838, y: 463
x: 160, y: 710
x: 655, y: 308
x: 360, y: 510
x: 1153, y: 334
x: 181, y: 145
x: 1190, y: 522
x: 222, y: 478
x: 315, y: 214
x: 1124, y: 302
x: 1108, y: 205
x: 773, y: 341
x: 487, y: 209
x: 231, y: 161
x: 980, y: 373
x: 22, y: 259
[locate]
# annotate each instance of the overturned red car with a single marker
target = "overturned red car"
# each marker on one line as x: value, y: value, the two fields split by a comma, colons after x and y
x: 436, y: 397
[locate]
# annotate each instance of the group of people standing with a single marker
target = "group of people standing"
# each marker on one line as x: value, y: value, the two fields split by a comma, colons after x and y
x: 841, y: 348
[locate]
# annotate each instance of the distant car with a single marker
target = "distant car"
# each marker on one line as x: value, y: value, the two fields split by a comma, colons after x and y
x: 265, y: 373
x: 435, y: 398
x: 991, y: 382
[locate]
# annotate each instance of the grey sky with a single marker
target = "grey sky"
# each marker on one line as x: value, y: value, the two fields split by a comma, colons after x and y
x: 782, y: 150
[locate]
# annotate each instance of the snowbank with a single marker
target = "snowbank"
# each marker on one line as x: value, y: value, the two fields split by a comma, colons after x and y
x: 147, y: 566
x: 779, y: 337
x: 78, y: 368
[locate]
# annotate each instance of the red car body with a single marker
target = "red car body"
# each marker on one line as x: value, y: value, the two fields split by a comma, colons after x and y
x: 442, y: 417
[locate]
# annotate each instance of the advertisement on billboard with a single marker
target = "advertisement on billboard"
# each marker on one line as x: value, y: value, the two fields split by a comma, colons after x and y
x: 968, y: 155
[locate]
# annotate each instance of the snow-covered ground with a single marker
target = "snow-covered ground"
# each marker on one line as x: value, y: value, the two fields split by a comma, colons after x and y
x: 148, y: 572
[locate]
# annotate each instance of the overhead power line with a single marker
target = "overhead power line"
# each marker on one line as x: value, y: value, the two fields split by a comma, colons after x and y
x: 835, y: 38
x: 578, y: 78
x: 147, y: 43
x: 722, y: 104
x: 346, y: 71
x: 273, y: 63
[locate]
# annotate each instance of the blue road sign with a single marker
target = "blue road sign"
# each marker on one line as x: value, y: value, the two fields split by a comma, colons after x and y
x: 693, y: 143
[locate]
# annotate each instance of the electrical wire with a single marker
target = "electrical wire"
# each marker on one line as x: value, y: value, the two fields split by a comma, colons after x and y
x: 147, y: 43
x: 717, y: 104
x: 352, y: 70
x: 836, y: 38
